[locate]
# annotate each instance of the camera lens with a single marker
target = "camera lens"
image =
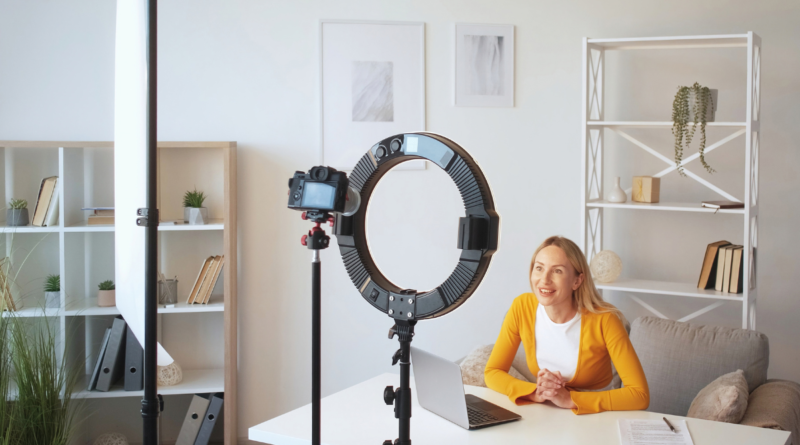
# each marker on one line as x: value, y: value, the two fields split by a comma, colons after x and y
x: 395, y: 145
x: 380, y: 152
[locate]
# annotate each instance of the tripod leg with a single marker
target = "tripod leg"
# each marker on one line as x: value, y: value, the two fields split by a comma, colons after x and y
x: 315, y: 349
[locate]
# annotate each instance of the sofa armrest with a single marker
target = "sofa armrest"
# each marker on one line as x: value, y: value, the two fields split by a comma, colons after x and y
x: 776, y: 405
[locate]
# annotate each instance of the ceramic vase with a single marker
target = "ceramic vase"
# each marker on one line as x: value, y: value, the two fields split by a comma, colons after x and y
x: 17, y: 217
x: 52, y: 299
x: 107, y: 298
x: 710, y: 111
x: 193, y: 215
x: 617, y: 194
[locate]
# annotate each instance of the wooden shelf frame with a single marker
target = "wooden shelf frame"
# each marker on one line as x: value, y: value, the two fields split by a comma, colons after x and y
x: 72, y: 308
x: 593, y: 126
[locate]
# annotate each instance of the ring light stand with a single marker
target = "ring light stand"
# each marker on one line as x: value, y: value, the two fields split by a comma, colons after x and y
x: 478, y: 233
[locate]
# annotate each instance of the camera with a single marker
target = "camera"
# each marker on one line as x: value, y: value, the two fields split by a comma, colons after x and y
x: 322, y: 189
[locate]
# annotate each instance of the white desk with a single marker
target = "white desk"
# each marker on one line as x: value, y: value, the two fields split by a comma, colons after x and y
x: 358, y: 416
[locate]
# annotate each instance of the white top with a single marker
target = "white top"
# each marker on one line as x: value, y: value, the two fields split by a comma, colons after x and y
x: 357, y: 416
x: 557, y: 345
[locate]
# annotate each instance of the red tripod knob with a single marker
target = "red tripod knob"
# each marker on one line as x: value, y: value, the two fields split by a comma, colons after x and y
x: 303, y: 240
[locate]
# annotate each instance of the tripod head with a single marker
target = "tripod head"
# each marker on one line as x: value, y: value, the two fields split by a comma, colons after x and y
x: 316, y: 239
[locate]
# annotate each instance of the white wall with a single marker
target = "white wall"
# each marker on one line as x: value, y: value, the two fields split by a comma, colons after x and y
x: 247, y: 70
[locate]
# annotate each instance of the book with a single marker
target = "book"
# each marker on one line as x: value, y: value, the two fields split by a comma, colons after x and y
x: 709, y: 268
x: 737, y: 278
x: 205, y: 288
x: 721, y: 267
x: 199, y: 281
x: 214, y: 277
x: 194, y: 419
x: 722, y: 204
x: 726, y: 273
x: 100, y: 211
x: 46, y: 190
x: 210, y: 419
x: 100, y: 354
x: 51, y: 219
x: 114, y: 358
x: 98, y: 220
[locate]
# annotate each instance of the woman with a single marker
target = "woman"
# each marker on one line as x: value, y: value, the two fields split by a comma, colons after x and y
x: 570, y: 336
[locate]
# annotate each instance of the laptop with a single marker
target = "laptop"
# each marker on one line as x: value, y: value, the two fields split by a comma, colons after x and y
x: 440, y: 390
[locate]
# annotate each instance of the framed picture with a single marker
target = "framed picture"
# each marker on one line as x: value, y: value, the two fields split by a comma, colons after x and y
x: 372, y: 77
x: 484, y: 65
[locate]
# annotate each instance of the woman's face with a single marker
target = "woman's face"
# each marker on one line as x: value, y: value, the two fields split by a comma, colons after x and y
x: 553, y: 278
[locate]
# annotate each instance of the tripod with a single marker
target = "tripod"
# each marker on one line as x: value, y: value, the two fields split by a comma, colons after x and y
x: 401, y: 397
x: 316, y: 240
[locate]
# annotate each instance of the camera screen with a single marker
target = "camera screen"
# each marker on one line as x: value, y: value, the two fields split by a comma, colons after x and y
x: 318, y: 195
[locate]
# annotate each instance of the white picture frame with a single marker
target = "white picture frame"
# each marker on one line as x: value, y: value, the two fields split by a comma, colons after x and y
x: 483, y: 65
x: 372, y: 86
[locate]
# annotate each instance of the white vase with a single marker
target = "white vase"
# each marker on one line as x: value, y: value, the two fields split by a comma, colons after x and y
x: 617, y: 194
x: 193, y: 215
x: 52, y: 299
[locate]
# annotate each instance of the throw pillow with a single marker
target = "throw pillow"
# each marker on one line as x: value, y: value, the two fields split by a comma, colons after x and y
x: 776, y: 405
x: 475, y: 363
x: 723, y: 400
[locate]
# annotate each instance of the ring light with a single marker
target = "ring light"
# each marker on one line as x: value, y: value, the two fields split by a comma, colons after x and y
x: 478, y: 230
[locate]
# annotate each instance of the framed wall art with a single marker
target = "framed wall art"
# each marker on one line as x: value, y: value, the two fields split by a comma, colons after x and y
x: 372, y: 77
x: 484, y: 65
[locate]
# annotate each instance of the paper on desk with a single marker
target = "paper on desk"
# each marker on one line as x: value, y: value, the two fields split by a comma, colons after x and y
x: 653, y: 432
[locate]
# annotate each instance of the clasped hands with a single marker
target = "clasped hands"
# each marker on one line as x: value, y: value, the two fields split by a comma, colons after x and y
x: 550, y: 386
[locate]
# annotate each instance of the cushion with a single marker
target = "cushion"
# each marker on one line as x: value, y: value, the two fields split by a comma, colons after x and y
x: 776, y: 405
x: 723, y: 400
x: 680, y: 359
x: 474, y: 364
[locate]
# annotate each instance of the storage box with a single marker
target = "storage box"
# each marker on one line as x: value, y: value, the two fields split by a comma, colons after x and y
x: 646, y: 189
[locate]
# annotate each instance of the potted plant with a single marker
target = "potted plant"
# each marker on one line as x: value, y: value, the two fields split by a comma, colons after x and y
x: 17, y: 213
x: 52, y: 291
x: 692, y: 104
x: 107, y: 295
x: 193, y: 210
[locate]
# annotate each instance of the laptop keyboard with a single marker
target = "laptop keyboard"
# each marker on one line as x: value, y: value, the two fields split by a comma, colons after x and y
x: 478, y: 417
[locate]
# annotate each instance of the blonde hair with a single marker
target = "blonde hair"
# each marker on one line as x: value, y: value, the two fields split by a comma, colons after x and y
x: 586, y: 297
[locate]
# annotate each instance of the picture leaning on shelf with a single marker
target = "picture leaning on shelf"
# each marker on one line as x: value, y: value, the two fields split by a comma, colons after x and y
x: 722, y: 268
x: 45, y: 214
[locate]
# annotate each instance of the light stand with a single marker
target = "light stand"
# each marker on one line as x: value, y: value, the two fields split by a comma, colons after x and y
x: 401, y: 397
x: 316, y: 240
x: 152, y: 403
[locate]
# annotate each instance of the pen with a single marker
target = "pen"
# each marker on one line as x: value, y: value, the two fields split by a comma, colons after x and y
x: 670, y: 425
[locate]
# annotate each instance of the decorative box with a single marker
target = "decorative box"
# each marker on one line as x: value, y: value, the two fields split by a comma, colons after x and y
x: 646, y: 189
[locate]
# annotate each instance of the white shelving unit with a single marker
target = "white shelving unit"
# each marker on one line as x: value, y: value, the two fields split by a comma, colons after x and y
x: 202, y: 338
x: 594, y: 128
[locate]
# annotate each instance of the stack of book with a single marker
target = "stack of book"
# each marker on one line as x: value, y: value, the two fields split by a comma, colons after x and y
x: 722, y: 268
x: 5, y: 288
x: 120, y: 357
x: 206, y: 280
x: 200, y: 419
x: 46, y: 211
x: 100, y: 215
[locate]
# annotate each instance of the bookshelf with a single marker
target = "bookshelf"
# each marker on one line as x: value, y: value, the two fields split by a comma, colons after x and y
x: 594, y: 130
x: 201, y: 338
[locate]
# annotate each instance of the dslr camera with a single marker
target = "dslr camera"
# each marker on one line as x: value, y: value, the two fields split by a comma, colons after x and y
x: 321, y: 190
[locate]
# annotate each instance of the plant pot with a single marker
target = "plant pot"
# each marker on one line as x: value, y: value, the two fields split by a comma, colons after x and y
x: 107, y: 298
x: 194, y: 215
x: 17, y: 217
x: 710, y: 111
x: 52, y: 299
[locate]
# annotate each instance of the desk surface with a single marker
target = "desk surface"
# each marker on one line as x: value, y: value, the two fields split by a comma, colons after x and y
x: 358, y: 416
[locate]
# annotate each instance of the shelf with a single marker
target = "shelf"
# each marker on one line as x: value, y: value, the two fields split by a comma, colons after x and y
x: 214, y: 224
x: 88, y: 308
x: 194, y: 382
x: 669, y: 206
x: 712, y: 41
x: 666, y: 288
x: 654, y: 124
x: 34, y: 312
x: 28, y: 229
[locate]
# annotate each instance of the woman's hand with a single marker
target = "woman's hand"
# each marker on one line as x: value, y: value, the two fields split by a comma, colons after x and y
x: 545, y: 381
x: 559, y: 397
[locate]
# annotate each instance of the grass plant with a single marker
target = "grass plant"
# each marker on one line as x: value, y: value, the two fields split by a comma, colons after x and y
x: 52, y: 283
x: 194, y: 199
x: 17, y: 204
x: 106, y: 285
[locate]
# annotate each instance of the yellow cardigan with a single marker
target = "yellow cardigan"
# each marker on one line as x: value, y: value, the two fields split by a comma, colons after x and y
x: 603, y: 340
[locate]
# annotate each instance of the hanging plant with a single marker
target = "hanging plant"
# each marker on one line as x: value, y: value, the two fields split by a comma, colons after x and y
x: 680, y: 121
